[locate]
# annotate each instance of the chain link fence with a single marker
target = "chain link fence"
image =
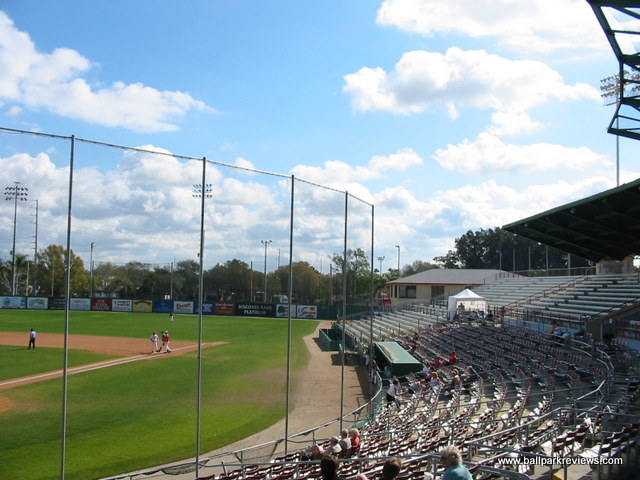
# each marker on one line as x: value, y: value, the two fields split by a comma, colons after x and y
x: 94, y: 227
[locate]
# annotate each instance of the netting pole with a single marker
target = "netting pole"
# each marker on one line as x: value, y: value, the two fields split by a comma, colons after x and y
x: 65, y: 351
x: 344, y: 307
x: 203, y: 197
x: 372, y: 300
x: 290, y: 292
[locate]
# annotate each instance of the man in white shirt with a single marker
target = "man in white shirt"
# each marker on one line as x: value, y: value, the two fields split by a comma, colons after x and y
x: 32, y: 339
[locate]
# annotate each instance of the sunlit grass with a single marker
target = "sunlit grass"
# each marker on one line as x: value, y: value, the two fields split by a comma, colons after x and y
x: 141, y: 414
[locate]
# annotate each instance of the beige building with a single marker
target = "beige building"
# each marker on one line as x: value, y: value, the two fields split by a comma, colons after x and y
x: 437, y: 284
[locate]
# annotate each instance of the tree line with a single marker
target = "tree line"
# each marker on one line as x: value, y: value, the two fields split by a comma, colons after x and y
x: 496, y: 248
x: 232, y: 281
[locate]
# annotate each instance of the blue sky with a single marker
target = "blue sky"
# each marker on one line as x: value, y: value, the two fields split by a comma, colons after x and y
x: 447, y: 115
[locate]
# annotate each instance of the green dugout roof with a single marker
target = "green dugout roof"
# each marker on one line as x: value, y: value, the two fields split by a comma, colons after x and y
x: 605, y: 226
x: 402, y: 362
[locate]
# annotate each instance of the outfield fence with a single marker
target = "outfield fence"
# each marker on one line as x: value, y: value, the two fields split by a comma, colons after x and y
x: 84, y: 219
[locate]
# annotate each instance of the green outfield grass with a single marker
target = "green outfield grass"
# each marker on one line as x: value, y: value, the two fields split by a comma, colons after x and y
x: 143, y: 413
x: 18, y: 361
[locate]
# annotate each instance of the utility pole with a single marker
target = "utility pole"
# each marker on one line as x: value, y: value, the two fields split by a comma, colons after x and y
x: 266, y: 244
x: 93, y: 244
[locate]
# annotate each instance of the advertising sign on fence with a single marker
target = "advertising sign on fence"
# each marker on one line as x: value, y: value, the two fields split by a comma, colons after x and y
x: 207, y: 308
x: 37, y: 303
x: 57, y: 303
x: 142, y: 306
x: 225, y: 308
x: 163, y: 306
x: 12, y: 302
x: 256, y: 310
x: 306, y: 311
x: 183, y: 307
x: 121, y: 305
x: 101, y: 304
x: 282, y: 311
x: 80, y: 304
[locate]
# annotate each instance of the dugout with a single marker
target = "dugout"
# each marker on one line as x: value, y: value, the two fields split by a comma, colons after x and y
x: 330, y: 339
x: 402, y: 363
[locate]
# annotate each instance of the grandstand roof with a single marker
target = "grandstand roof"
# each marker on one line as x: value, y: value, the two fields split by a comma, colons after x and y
x: 605, y: 226
x: 449, y: 276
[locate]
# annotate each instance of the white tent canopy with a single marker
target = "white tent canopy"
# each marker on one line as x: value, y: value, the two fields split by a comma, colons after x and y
x: 471, y: 300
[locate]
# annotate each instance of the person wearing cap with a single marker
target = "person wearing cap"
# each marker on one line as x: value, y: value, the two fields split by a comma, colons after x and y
x: 165, y: 342
x: 334, y: 448
x: 154, y: 342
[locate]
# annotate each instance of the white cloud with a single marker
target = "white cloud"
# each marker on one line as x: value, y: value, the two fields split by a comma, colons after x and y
x: 54, y: 82
x: 512, y: 123
x: 523, y: 25
x: 488, y: 152
x: 245, y: 164
x: 338, y: 174
x: 460, y: 79
x: 403, y: 160
x: 489, y: 204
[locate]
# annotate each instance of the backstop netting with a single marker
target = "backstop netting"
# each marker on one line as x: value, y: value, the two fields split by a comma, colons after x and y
x: 102, y: 245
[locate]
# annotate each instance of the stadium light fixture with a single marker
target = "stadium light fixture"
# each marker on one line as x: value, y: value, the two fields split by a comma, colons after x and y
x: 15, y: 193
x: 380, y: 259
x: 398, y: 247
x: 199, y: 190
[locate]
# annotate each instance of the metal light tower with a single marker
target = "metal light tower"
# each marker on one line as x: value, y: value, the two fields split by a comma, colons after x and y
x: 610, y: 88
x: 613, y: 88
x: 15, y: 193
x: 398, y: 247
x: 266, y: 244
x: 201, y: 191
x: 380, y: 259
x: 35, y: 252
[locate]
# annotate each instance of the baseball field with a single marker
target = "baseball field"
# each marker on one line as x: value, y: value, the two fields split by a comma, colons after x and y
x: 128, y: 408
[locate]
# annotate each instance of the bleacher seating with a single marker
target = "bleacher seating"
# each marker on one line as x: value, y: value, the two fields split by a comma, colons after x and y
x: 533, y: 396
